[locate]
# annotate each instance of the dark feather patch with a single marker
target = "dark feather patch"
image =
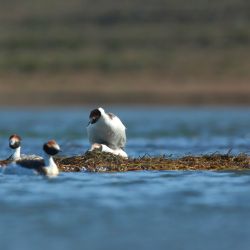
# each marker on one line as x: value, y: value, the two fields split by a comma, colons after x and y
x: 4, y: 162
x: 94, y: 116
x: 17, y: 143
x: 50, y: 148
x: 111, y: 116
x: 35, y: 164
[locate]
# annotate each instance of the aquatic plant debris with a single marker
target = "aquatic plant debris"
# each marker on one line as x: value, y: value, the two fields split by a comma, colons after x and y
x: 96, y: 161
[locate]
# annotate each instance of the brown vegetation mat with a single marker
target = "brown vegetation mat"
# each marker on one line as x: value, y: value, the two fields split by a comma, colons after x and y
x: 96, y: 161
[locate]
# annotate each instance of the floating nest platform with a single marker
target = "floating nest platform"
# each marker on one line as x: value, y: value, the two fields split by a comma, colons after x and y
x: 96, y: 161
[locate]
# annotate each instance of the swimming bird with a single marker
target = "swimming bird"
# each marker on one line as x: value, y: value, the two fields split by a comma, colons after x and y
x: 41, y: 166
x: 106, y: 129
x: 104, y: 148
x: 15, y: 145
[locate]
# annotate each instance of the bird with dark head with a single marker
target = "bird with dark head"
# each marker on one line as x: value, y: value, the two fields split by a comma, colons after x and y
x: 15, y: 141
x: 42, y: 166
x: 15, y: 146
x: 51, y: 148
x: 106, y: 129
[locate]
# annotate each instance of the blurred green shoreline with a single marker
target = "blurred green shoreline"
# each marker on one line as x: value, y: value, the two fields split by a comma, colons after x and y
x: 121, y: 52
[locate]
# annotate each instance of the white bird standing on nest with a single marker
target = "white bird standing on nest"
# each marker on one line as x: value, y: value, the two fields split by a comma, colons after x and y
x: 107, y: 131
x: 38, y: 166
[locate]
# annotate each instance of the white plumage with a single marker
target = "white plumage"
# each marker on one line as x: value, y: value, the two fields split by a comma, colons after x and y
x: 36, y: 165
x: 106, y: 128
x: 104, y: 148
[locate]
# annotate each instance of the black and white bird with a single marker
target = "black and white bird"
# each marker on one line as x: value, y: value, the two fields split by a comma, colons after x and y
x: 15, y: 146
x: 36, y: 165
x: 106, y: 129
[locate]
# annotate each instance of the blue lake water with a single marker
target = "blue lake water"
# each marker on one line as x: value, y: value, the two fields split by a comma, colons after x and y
x: 136, y: 210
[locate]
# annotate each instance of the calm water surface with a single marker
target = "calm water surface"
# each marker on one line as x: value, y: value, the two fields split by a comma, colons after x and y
x: 137, y: 210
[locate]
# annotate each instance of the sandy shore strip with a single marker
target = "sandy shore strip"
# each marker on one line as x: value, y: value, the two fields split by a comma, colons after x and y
x: 152, y: 88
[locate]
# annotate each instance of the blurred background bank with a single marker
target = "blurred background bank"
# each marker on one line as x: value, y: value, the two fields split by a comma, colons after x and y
x: 160, y: 52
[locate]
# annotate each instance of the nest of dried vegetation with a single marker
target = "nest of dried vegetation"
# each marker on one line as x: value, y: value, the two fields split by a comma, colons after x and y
x: 97, y: 161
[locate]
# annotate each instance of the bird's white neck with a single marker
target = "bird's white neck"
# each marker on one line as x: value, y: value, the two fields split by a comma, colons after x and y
x: 17, y: 154
x: 49, y: 161
x: 50, y: 166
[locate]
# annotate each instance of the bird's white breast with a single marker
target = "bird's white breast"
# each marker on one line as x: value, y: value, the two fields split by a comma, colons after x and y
x: 107, y: 131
